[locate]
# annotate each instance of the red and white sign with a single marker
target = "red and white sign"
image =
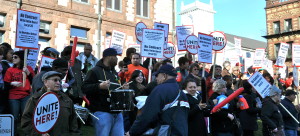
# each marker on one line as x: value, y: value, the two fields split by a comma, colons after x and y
x: 219, y: 41
x: 117, y: 41
x: 46, y: 61
x: 181, y: 33
x: 205, y: 50
x: 281, y: 57
x: 296, y: 55
x: 191, y: 44
x: 258, y: 58
x: 170, y: 50
x: 28, y: 26
x: 46, y: 112
x: 139, y: 31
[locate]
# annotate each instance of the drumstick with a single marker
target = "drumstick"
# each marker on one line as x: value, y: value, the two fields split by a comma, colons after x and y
x: 80, y: 117
x: 94, y: 116
x: 122, y: 86
x: 110, y: 82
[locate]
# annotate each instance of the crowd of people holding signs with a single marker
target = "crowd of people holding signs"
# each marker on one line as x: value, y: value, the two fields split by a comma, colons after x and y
x: 68, y: 89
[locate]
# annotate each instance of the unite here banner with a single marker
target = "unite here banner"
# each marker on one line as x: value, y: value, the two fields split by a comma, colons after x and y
x: 258, y: 58
x: 28, y: 26
x: 283, y: 50
x: 205, y: 50
x: 182, y: 32
x: 260, y: 84
x: 296, y: 54
x: 153, y: 43
x: 117, y: 41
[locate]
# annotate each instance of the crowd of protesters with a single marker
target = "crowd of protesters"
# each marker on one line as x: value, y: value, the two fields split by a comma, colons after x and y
x: 181, y: 97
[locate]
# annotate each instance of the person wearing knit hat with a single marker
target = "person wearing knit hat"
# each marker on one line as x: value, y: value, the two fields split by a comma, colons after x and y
x: 18, y: 93
x: 270, y: 115
x: 97, y: 85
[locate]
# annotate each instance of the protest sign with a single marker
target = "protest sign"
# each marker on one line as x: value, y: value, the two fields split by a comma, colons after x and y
x: 238, y: 45
x: 182, y: 32
x: 6, y: 125
x: 296, y: 54
x: 46, y: 62
x: 205, y: 50
x: 283, y: 50
x: 295, y: 76
x: 170, y: 50
x: 33, y: 55
x: 248, y: 61
x: 107, y: 42
x: 46, y: 112
x: 153, y: 42
x: 191, y: 44
x: 27, y: 33
x: 164, y: 27
x: 117, y: 41
x: 260, y: 84
x: 136, y: 46
x: 258, y: 58
x: 139, y: 31
x: 219, y: 41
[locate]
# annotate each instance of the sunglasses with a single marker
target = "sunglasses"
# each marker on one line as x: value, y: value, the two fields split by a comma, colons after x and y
x: 15, y: 57
x: 55, y: 80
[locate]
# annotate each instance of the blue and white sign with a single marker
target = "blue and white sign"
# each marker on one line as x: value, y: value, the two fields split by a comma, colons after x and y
x: 182, y: 32
x: 205, y: 50
x: 6, y: 125
x: 28, y: 25
x: 153, y: 43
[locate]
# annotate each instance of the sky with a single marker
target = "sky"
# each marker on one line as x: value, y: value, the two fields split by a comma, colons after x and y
x: 244, y: 18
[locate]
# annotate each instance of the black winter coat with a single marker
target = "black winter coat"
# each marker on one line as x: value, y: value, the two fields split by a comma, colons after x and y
x: 248, y: 117
x: 99, y: 98
x: 289, y: 122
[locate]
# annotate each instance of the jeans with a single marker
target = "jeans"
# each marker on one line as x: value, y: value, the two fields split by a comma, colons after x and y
x: 108, y: 124
x: 17, y: 107
x: 290, y: 132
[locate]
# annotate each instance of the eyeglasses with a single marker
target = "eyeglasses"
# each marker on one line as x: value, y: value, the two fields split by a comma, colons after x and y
x: 55, y: 79
x: 15, y: 57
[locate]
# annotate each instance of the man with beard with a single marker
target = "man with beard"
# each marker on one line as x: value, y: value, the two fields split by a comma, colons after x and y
x: 158, y: 109
x: 110, y: 123
x: 88, y: 60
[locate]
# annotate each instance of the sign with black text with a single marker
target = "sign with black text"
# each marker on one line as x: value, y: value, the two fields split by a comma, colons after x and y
x: 117, y: 41
x: 281, y: 57
x: 153, y: 43
x: 219, y: 41
x: 28, y: 26
x: 258, y: 58
x: 182, y: 32
x: 191, y: 44
x: 205, y: 50
x: 260, y: 84
x: 6, y: 125
x: 164, y: 27
x: 46, y: 62
x: 46, y: 112
x: 296, y: 55
x: 32, y: 58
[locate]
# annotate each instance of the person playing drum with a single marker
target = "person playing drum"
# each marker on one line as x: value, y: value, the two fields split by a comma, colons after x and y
x: 110, y: 122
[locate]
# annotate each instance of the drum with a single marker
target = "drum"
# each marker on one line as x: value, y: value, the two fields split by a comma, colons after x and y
x: 82, y: 112
x: 122, y: 100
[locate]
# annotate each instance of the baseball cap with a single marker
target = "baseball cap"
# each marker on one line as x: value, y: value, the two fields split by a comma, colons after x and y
x: 167, y: 69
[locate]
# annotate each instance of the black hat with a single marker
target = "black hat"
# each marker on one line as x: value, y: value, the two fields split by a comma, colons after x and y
x: 51, y: 74
x: 167, y: 69
x: 60, y: 63
x: 290, y: 92
x: 20, y: 54
x: 109, y: 52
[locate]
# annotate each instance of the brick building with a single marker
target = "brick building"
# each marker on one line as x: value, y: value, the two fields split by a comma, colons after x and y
x: 283, y: 25
x: 63, y: 19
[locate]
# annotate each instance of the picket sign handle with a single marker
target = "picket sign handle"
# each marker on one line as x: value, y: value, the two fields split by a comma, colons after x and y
x: 25, y: 66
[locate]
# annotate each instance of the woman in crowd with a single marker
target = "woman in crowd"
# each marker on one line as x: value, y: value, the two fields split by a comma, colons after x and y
x: 221, y: 121
x: 193, y: 73
x: 18, y: 93
x: 248, y: 117
x: 196, y: 121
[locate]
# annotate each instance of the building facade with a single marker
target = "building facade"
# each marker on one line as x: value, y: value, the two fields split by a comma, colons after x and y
x: 283, y: 25
x: 92, y: 21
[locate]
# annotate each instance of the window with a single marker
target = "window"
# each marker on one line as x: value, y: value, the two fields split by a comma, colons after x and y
x: 113, y: 4
x: 79, y: 32
x: 2, y: 20
x: 276, y: 27
x: 289, y: 55
x: 1, y: 37
x: 277, y: 47
x: 44, y: 27
x: 79, y: 46
x: 44, y: 42
x: 82, y: 1
x: 142, y: 8
x: 288, y: 25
